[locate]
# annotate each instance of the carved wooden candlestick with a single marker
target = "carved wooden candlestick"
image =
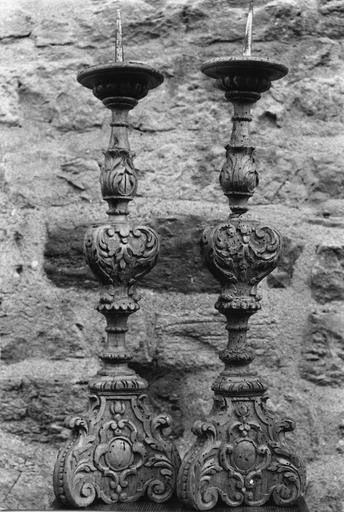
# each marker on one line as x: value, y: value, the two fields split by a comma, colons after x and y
x: 118, y: 451
x: 241, y: 455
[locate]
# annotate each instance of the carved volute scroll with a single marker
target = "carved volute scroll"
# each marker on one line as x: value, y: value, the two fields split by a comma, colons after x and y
x: 241, y: 455
x: 118, y: 451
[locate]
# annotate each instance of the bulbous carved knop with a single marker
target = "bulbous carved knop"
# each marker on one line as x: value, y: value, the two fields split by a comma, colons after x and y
x: 240, y: 252
x: 118, y: 255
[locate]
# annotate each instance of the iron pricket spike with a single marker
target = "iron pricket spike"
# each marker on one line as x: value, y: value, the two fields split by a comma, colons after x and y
x: 247, y: 47
x: 119, y: 56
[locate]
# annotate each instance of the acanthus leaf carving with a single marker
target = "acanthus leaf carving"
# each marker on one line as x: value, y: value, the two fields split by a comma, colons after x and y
x: 118, y: 176
x: 241, y: 251
x: 246, y: 451
x: 121, y: 455
x: 238, y: 176
x: 119, y: 254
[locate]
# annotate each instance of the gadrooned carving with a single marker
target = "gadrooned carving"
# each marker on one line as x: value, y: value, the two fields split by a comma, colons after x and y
x: 241, y: 457
x: 118, y: 454
x: 127, y: 86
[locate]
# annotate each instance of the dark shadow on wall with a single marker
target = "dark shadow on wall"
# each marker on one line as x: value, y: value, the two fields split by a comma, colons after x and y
x: 179, y: 267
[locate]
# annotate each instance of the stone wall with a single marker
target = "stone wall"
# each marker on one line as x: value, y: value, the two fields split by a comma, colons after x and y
x: 52, y: 135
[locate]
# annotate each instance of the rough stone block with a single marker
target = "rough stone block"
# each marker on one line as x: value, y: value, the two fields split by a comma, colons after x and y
x: 325, y: 491
x: 10, y: 114
x: 35, y: 408
x: 282, y: 276
x: 54, y: 331
x: 25, y: 474
x: 15, y: 25
x: 327, y: 279
x: 323, y: 347
x: 331, y: 22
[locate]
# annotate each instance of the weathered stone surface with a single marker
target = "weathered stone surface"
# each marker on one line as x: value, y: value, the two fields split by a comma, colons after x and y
x: 54, y: 330
x: 49, y: 92
x: 10, y: 114
x: 15, y: 25
x: 25, y: 474
x: 35, y: 391
x: 52, y: 135
x: 32, y: 409
x: 323, y: 348
x: 326, y: 484
x: 327, y: 279
x: 332, y: 17
x: 281, y: 277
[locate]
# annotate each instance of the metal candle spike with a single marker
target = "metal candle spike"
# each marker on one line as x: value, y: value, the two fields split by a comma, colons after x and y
x: 119, y: 56
x: 247, y: 47
x: 118, y: 451
x: 241, y: 455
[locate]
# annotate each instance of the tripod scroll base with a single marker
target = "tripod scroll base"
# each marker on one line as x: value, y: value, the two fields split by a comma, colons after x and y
x: 118, y: 452
x: 241, y: 457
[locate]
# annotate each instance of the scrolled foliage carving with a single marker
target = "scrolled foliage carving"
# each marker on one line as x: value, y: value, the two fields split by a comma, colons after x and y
x: 244, y: 460
x: 120, y: 254
x: 240, y: 252
x: 118, y: 454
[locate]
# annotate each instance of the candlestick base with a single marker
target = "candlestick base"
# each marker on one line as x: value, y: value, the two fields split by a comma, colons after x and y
x: 118, y: 452
x: 241, y: 456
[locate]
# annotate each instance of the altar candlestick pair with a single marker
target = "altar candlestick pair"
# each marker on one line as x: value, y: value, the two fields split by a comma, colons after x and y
x: 119, y: 451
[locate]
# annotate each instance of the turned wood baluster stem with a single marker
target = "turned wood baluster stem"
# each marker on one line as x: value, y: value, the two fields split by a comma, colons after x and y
x: 119, y: 129
x: 115, y: 354
x: 241, y: 124
x: 241, y: 179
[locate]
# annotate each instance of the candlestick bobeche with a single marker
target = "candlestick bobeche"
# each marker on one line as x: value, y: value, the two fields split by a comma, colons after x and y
x: 118, y: 451
x: 241, y: 455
